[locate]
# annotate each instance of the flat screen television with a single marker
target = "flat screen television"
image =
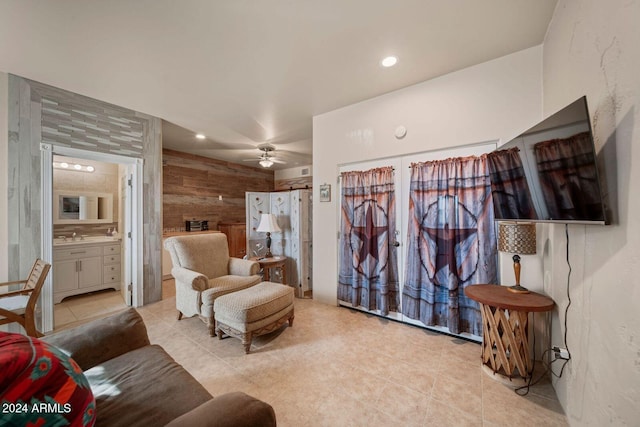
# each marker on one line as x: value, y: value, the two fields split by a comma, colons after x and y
x: 549, y: 173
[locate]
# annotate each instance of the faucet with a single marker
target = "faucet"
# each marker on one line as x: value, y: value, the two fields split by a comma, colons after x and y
x: 73, y: 236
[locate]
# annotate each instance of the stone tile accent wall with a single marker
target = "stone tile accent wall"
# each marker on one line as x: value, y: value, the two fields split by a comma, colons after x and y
x: 77, y: 121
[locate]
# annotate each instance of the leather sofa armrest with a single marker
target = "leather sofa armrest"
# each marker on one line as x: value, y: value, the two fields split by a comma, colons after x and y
x: 235, y: 409
x: 103, y: 339
x: 243, y: 267
x: 184, y: 276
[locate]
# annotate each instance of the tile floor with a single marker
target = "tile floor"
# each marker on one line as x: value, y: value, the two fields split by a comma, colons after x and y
x: 339, y: 367
x: 82, y: 308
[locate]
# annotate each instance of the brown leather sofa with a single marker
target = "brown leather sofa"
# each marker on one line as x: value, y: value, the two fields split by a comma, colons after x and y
x: 138, y: 384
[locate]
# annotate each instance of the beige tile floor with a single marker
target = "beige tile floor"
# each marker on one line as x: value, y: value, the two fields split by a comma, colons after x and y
x: 82, y: 308
x: 339, y: 367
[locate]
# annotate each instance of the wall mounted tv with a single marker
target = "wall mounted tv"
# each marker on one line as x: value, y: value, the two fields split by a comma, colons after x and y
x: 549, y: 172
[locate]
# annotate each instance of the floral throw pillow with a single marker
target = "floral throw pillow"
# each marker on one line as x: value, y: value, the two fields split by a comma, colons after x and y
x: 41, y: 386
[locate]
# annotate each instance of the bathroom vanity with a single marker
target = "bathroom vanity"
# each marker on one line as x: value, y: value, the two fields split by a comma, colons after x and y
x: 81, y: 266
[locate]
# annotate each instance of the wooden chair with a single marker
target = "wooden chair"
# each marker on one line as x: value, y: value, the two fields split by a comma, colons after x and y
x: 20, y: 306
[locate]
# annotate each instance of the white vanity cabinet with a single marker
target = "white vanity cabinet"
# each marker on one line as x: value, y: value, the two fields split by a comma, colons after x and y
x: 85, y: 267
x: 111, y: 264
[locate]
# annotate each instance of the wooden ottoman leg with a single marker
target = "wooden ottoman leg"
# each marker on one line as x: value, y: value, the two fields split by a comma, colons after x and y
x: 211, y: 323
x: 246, y: 341
x: 179, y: 315
x: 291, y: 319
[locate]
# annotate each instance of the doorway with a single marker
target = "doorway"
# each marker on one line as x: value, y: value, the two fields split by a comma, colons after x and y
x: 401, y: 166
x: 128, y: 263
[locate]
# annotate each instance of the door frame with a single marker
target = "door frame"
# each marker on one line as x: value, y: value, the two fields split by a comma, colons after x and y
x: 135, y: 267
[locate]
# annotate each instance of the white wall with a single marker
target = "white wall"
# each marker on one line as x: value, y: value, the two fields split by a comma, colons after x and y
x: 4, y: 158
x: 494, y: 100
x: 592, y: 48
x: 292, y: 172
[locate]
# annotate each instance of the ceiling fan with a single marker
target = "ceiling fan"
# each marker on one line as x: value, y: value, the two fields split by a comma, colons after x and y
x: 266, y: 159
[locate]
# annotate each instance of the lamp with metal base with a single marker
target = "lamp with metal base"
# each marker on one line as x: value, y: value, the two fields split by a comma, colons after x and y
x: 517, y: 238
x: 268, y: 224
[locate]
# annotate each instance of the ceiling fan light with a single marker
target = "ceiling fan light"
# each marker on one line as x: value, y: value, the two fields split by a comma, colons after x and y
x: 265, y: 163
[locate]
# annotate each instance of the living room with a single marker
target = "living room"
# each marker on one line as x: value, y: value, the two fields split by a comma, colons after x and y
x: 587, y: 49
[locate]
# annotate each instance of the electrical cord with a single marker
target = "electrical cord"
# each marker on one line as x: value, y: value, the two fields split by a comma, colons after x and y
x: 566, y: 310
x: 524, y: 390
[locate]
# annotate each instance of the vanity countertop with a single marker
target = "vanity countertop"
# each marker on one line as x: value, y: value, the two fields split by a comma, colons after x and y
x: 87, y: 240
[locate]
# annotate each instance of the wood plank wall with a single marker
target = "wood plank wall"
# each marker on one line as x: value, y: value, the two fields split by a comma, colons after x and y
x: 303, y: 182
x: 192, y: 185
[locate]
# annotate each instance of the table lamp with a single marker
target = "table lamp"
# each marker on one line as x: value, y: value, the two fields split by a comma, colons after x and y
x: 268, y: 224
x: 517, y: 238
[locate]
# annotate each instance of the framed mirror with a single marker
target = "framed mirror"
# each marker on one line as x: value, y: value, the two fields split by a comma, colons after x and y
x: 82, y: 208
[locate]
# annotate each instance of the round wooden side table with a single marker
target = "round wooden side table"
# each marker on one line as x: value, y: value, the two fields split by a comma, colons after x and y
x: 505, y: 316
x: 272, y: 262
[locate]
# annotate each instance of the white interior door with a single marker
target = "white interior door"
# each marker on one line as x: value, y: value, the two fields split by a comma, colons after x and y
x: 125, y: 228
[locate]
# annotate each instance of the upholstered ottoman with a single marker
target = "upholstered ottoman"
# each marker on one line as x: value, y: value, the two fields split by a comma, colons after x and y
x: 254, y: 311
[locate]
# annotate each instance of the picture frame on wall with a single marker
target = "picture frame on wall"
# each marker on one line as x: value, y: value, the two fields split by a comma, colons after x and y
x: 325, y: 193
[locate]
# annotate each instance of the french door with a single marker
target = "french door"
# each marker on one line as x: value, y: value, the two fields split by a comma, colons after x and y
x: 395, y: 240
x: 402, y: 177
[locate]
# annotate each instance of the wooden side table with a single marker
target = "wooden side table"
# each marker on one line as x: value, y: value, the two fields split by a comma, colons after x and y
x: 505, y: 316
x: 272, y: 262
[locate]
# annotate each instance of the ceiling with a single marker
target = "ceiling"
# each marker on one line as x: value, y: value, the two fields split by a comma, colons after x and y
x: 245, y: 72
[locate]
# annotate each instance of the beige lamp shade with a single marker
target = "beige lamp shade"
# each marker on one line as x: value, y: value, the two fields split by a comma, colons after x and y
x: 517, y: 237
x: 268, y: 224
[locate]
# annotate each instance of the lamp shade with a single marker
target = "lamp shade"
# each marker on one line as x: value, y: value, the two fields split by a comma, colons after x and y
x: 268, y: 224
x: 517, y: 237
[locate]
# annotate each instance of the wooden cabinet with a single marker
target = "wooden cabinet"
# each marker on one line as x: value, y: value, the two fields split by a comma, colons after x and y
x: 236, y: 237
x: 85, y: 267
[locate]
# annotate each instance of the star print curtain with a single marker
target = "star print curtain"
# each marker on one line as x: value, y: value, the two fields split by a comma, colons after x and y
x: 368, y: 271
x: 451, y: 242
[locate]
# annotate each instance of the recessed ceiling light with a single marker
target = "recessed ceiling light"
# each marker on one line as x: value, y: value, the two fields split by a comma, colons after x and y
x: 200, y: 136
x: 389, y: 61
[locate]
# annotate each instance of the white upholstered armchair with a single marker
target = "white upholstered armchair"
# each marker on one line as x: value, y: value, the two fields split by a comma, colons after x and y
x: 204, y: 271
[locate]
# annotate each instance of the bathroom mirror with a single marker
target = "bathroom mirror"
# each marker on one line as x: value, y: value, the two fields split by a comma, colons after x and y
x: 82, y: 208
